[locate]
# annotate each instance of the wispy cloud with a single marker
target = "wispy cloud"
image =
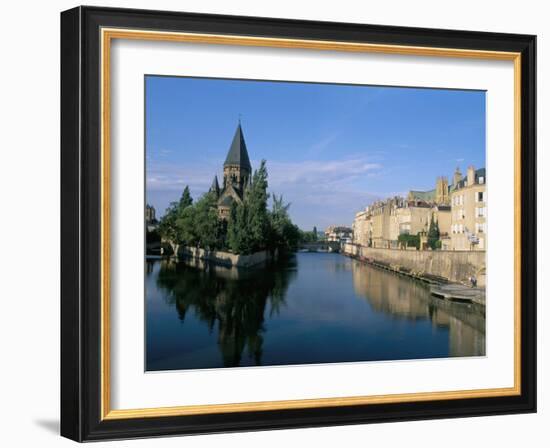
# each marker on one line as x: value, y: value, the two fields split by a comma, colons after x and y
x: 323, y: 143
x: 323, y: 191
x: 319, y: 191
x: 319, y: 172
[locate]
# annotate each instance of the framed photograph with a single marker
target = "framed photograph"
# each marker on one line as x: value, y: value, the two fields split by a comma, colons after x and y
x: 274, y: 223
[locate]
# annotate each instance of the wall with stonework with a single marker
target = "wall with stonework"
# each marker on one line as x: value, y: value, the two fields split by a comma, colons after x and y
x: 225, y: 258
x: 456, y: 266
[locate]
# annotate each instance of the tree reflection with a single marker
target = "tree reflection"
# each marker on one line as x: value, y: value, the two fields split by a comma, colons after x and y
x: 229, y: 300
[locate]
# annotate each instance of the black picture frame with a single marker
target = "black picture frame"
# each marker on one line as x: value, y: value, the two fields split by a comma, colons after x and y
x: 81, y: 224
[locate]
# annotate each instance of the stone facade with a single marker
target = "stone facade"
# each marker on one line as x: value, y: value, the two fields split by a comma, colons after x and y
x: 453, y: 265
x: 459, y: 211
x: 469, y: 212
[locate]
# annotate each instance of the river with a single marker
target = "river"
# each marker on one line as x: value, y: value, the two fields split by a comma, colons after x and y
x: 311, y: 308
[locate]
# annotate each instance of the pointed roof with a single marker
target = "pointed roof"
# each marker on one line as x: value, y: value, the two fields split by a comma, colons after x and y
x: 215, y: 185
x: 238, y: 155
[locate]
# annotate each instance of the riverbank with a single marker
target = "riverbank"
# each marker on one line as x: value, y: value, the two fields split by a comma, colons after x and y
x: 430, y: 265
x: 226, y: 258
x: 447, y: 272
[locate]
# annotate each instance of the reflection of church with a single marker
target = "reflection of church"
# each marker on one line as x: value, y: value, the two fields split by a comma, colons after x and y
x: 237, y: 173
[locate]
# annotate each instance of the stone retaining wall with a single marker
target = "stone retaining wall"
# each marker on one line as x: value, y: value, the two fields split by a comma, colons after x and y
x: 225, y: 258
x: 455, y: 266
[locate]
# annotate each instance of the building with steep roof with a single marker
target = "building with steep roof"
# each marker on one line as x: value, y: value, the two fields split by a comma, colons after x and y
x: 237, y: 175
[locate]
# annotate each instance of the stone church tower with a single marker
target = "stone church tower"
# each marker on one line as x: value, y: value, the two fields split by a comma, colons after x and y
x: 442, y: 191
x: 237, y: 173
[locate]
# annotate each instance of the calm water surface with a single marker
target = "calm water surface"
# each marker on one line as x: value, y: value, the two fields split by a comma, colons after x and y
x: 312, y: 308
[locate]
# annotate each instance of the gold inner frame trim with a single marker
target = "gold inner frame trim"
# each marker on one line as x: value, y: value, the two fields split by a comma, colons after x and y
x: 107, y: 35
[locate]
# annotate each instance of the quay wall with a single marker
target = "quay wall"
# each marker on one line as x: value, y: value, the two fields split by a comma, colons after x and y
x: 225, y: 258
x: 454, y: 266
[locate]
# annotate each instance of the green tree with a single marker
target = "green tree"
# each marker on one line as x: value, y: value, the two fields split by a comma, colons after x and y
x: 433, y: 233
x: 256, y: 196
x: 283, y: 234
x: 206, y: 224
x: 168, y: 226
x: 407, y: 240
x: 186, y: 230
x: 186, y: 200
x: 238, y: 239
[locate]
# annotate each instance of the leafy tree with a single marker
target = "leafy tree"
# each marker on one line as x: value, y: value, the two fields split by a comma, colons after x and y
x: 186, y: 200
x: 409, y: 240
x: 206, y: 224
x: 308, y: 237
x: 256, y: 197
x: 433, y: 233
x: 186, y: 230
x: 284, y: 235
x: 168, y: 225
x: 238, y: 238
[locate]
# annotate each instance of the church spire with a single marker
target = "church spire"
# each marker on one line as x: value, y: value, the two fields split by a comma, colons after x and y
x: 215, y: 188
x: 238, y: 154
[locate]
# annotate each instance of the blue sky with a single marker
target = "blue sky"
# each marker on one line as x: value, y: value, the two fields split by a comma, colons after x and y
x: 330, y: 149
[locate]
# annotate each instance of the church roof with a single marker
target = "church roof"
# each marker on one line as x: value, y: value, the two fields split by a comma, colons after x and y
x: 215, y: 186
x: 226, y: 200
x: 238, y: 154
x: 422, y: 195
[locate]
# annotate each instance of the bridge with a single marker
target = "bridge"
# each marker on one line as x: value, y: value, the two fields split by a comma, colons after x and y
x: 320, y: 246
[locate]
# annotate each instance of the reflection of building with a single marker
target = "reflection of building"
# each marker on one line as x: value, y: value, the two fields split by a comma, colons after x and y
x: 406, y: 299
x: 338, y: 234
x: 469, y: 210
x: 237, y: 173
x: 459, y: 211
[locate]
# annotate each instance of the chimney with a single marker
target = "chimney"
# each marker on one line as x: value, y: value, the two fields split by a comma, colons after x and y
x: 471, y: 175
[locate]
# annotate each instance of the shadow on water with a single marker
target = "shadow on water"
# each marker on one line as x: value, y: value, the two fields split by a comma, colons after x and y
x: 232, y: 300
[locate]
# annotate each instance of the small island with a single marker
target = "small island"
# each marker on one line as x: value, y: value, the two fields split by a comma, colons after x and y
x: 232, y: 225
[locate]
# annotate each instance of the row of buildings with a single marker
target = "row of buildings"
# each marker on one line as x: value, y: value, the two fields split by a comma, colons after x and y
x: 339, y: 234
x: 459, y: 209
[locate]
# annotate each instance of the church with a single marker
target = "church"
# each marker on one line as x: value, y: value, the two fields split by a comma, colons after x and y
x: 237, y: 175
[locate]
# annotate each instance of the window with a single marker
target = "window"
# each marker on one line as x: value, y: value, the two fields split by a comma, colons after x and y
x: 480, y: 212
x: 480, y: 227
x: 481, y: 180
x: 480, y: 196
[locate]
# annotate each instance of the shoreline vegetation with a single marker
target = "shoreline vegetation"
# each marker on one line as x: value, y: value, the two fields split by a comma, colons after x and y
x: 253, y: 232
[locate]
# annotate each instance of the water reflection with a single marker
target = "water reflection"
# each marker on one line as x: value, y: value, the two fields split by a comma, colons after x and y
x: 408, y: 299
x: 231, y: 300
x: 312, y: 308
